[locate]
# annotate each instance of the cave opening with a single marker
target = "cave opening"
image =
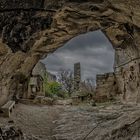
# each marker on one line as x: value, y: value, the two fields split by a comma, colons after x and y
x: 32, y: 33
x: 82, y: 62
x: 93, y: 50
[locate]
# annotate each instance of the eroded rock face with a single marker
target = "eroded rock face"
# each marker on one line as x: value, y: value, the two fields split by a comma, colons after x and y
x: 17, y: 27
x: 30, y: 29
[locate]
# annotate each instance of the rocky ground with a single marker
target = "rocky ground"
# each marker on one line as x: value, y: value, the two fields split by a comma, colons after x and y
x: 83, y: 122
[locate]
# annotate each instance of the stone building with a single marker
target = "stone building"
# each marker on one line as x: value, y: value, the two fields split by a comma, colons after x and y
x: 35, y: 86
x: 107, y: 87
x: 77, y: 75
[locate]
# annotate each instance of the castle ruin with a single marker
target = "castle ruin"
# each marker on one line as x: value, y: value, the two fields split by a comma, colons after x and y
x: 77, y: 75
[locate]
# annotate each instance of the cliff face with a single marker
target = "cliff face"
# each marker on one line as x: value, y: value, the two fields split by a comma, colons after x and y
x: 30, y: 29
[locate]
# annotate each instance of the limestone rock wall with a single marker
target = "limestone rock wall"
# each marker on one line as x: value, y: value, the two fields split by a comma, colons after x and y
x: 128, y: 68
x: 128, y: 81
x: 30, y: 29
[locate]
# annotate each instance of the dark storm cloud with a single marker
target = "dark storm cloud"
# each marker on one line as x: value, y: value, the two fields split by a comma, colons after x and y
x: 93, y: 50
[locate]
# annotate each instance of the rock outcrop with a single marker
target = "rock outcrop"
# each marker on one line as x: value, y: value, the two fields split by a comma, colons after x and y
x: 101, y: 123
x: 30, y: 29
x: 11, y: 132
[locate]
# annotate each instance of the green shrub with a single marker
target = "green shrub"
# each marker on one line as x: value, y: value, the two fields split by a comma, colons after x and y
x: 54, y: 89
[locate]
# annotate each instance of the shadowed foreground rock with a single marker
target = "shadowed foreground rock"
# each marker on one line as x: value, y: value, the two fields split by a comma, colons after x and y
x: 12, y: 133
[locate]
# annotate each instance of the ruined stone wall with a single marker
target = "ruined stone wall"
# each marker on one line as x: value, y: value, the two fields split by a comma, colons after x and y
x: 77, y: 76
x: 30, y: 29
x: 107, y: 88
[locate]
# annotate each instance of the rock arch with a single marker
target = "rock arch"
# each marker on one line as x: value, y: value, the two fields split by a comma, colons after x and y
x: 30, y: 29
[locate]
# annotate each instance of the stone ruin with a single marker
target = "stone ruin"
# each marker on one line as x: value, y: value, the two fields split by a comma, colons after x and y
x: 106, y: 87
x: 35, y: 86
x: 77, y: 76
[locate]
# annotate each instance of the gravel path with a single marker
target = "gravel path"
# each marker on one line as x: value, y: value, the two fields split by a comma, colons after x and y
x: 35, y: 120
x: 76, y: 122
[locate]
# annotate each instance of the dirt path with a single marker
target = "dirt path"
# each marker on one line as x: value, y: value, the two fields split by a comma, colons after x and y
x: 35, y: 120
x: 77, y: 122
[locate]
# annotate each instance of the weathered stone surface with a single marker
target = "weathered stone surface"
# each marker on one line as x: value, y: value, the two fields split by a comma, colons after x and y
x: 11, y: 132
x: 107, y: 88
x: 30, y: 29
x: 98, y: 123
x: 84, y: 122
x: 43, y: 100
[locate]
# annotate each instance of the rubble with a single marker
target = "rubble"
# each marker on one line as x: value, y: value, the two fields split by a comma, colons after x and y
x: 43, y: 100
x: 10, y: 132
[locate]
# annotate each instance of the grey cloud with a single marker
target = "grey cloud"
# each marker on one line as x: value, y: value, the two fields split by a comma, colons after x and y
x: 94, y: 38
x: 93, y: 50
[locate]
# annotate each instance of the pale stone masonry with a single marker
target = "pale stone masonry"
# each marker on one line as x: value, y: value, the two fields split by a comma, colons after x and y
x: 107, y: 87
x: 36, y: 81
x: 35, y: 87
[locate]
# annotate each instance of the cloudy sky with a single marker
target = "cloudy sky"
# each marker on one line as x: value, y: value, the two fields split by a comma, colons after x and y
x: 92, y: 50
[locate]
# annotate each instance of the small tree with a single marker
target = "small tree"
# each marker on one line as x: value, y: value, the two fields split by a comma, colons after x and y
x: 66, y: 79
x: 88, y: 86
x: 51, y: 88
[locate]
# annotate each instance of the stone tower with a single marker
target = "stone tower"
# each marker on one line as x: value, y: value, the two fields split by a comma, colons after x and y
x: 77, y: 75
